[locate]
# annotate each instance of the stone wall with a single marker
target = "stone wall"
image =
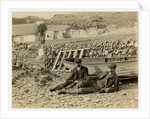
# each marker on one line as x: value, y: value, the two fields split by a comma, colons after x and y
x: 92, y: 32
x: 50, y: 35
x: 111, y: 31
x: 24, y: 39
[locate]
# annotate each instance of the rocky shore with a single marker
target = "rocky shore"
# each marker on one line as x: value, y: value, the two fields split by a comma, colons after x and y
x: 31, y: 90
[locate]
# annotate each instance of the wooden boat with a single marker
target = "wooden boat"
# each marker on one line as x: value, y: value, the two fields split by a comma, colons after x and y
x: 126, y: 66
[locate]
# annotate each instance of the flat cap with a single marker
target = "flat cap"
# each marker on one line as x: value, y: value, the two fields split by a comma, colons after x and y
x: 112, y: 66
x: 77, y: 60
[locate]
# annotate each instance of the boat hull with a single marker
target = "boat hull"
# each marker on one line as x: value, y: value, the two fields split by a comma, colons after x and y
x: 124, y: 68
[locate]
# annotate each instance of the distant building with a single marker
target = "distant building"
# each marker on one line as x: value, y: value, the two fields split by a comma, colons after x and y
x: 91, y: 32
x: 24, y: 32
x: 55, y: 32
x: 39, y: 22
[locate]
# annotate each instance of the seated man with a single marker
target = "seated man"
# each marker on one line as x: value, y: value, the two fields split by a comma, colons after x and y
x: 112, y: 81
x: 79, y: 73
x: 108, y: 82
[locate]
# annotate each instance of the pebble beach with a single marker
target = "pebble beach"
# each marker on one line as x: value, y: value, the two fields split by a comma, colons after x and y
x: 28, y: 92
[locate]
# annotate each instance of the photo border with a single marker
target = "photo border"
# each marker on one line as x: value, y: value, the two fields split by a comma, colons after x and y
x: 139, y: 40
x: 65, y: 10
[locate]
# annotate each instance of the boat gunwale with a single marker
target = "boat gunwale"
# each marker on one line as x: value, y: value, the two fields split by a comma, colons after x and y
x: 106, y: 62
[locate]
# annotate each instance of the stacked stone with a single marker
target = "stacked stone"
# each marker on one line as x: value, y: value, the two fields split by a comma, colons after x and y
x: 21, y: 52
x: 50, y: 57
x: 113, y: 49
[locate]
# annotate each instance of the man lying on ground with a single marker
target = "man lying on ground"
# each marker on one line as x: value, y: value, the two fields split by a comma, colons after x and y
x: 109, y: 82
x: 78, y: 74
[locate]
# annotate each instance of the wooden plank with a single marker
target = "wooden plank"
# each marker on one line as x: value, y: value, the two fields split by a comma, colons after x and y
x: 87, y: 48
x: 70, y: 51
x: 62, y: 61
x: 81, y: 53
x: 69, y: 54
x: 67, y: 57
x: 84, y: 48
x: 75, y: 54
x: 56, y: 61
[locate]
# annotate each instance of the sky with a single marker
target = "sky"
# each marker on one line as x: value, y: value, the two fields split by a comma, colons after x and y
x: 45, y: 15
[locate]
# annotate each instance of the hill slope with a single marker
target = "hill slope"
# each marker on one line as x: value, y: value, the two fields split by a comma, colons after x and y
x: 83, y: 20
x: 100, y: 19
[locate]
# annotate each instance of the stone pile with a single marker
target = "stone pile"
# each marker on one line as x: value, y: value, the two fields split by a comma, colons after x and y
x: 23, y: 52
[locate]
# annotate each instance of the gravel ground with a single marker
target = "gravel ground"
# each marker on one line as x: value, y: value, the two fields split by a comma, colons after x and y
x: 27, y: 92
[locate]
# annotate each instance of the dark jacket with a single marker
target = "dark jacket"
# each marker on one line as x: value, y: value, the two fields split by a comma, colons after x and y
x: 78, y: 75
x: 110, y: 79
x: 113, y: 82
x: 107, y: 80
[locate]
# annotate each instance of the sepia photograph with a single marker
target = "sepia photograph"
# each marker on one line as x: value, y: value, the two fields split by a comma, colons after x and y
x: 74, y: 60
